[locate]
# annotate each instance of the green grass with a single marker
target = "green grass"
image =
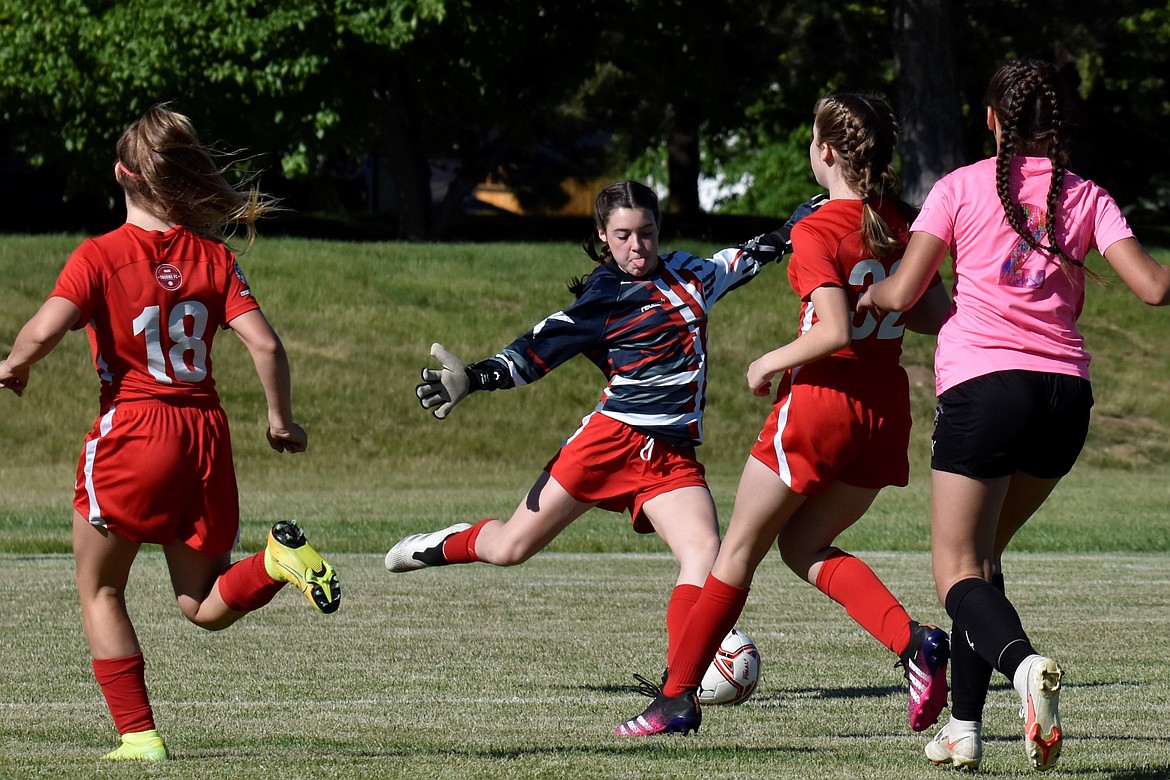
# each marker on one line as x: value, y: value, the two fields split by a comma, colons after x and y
x: 479, y: 672
x: 358, y: 321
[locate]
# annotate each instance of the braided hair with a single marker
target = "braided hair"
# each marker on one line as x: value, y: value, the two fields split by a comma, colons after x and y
x: 165, y: 170
x: 625, y: 194
x: 1030, y: 101
x: 863, y: 131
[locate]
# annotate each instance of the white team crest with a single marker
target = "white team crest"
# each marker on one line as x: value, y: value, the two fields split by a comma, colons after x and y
x: 560, y: 316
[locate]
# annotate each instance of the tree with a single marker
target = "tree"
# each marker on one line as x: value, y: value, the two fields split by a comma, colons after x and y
x: 939, y: 58
x: 304, y: 83
x: 488, y: 91
x: 767, y: 147
x: 928, y: 99
x: 73, y: 73
x: 673, y: 75
x: 531, y: 92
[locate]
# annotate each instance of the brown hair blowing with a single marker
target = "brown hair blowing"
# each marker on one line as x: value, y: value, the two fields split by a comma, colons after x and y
x: 168, y: 172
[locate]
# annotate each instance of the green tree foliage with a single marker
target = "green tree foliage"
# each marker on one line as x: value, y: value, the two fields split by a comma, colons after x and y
x: 1115, y: 56
x: 685, y: 84
x: 768, y: 147
x: 489, y: 92
x: 522, y: 90
x: 74, y: 73
x: 308, y: 83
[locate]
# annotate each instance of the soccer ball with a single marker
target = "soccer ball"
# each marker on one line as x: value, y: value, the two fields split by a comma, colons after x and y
x: 734, y: 673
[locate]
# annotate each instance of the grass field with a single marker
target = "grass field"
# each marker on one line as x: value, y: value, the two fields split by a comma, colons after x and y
x: 474, y: 672
x: 479, y: 672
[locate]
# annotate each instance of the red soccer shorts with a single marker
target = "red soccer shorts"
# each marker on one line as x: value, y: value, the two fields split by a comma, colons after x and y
x: 823, y: 429
x: 157, y: 473
x: 610, y: 463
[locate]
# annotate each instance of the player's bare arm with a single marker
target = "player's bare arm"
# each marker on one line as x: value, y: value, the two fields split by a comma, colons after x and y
x: 271, y: 362
x: 902, y: 289
x: 37, y: 339
x: 828, y: 334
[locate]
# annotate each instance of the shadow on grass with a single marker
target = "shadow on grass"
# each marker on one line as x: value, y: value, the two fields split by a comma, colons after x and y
x: 669, y: 744
x: 770, y: 694
x: 666, y: 745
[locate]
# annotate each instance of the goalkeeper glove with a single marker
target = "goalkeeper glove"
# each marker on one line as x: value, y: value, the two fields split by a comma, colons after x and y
x: 443, y: 387
x: 773, y: 246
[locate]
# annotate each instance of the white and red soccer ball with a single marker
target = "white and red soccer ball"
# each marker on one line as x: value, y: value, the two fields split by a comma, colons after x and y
x: 734, y: 673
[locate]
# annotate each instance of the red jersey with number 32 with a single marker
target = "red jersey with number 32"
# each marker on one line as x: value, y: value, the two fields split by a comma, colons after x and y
x: 152, y: 302
x: 827, y: 251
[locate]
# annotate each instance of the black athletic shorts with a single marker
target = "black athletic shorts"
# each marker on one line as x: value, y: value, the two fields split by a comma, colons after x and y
x: 997, y: 424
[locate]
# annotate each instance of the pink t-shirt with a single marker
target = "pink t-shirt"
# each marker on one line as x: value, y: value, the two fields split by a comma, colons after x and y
x: 1015, y: 308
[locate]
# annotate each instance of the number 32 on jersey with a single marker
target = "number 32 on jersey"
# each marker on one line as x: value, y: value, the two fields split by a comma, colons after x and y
x: 864, y: 274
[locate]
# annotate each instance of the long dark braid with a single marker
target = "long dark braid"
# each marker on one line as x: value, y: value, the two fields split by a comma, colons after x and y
x: 1029, y: 101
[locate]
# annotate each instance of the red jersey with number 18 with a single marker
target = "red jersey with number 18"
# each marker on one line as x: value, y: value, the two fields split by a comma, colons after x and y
x: 152, y: 302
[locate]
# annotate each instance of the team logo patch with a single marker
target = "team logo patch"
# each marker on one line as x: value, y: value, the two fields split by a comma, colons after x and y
x: 243, y: 279
x: 168, y: 277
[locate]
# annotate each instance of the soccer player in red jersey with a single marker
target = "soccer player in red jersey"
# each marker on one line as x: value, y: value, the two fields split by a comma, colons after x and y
x: 839, y: 428
x: 157, y: 466
x: 641, y: 317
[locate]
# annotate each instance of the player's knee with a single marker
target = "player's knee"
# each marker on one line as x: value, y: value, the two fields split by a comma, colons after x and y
x: 212, y: 625
x: 794, y: 561
x: 511, y: 555
x: 709, y: 553
x: 797, y: 557
x: 192, y: 613
x: 502, y: 551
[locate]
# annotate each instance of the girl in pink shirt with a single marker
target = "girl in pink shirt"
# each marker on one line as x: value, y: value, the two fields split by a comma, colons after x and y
x: 1012, y: 378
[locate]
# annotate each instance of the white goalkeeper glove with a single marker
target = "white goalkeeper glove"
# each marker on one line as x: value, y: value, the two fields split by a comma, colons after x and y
x: 443, y: 387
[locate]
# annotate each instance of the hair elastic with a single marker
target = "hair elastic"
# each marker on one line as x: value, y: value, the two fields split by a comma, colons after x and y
x: 129, y: 172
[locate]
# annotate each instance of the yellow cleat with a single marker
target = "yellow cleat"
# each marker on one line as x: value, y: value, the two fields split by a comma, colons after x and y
x: 139, y: 746
x: 291, y: 558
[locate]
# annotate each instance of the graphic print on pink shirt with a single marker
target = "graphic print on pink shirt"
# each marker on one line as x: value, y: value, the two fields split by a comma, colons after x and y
x: 1013, y: 273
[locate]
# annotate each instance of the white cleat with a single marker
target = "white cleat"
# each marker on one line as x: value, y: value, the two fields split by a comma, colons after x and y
x: 1042, y: 731
x: 966, y: 752
x: 421, y: 550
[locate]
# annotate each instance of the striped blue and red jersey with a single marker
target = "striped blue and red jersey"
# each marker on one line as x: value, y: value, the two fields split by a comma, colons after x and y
x: 648, y: 335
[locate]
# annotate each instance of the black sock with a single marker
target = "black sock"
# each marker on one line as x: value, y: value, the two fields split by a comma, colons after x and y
x: 970, y: 674
x: 990, y: 622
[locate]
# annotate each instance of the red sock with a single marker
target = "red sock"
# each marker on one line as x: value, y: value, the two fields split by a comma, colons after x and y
x: 682, y: 600
x: 714, y: 614
x: 123, y: 683
x: 246, y: 585
x: 853, y: 585
x: 460, y: 547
